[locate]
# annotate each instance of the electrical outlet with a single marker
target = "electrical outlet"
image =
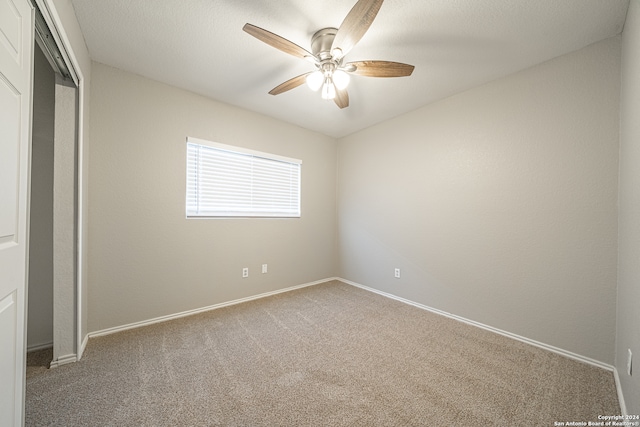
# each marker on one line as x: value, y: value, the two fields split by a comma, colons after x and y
x: 264, y: 268
x: 629, y: 363
x: 245, y: 272
x: 396, y: 273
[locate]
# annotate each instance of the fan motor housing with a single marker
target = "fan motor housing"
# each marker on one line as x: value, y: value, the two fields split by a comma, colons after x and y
x: 321, y: 42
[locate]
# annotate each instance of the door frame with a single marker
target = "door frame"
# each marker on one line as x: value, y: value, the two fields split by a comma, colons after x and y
x: 53, y: 21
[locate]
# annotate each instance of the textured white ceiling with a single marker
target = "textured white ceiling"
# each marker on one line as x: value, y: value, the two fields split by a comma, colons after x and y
x: 199, y: 45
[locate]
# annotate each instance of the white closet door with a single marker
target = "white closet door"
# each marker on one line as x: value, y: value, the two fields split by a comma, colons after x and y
x: 16, y: 56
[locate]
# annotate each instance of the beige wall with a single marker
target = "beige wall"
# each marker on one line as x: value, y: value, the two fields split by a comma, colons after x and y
x: 146, y: 260
x: 498, y: 204
x: 628, y: 332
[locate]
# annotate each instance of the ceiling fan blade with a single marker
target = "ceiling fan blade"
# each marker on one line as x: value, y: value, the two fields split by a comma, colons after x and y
x: 276, y: 41
x: 289, y: 84
x: 342, y: 98
x: 380, y: 68
x: 355, y: 24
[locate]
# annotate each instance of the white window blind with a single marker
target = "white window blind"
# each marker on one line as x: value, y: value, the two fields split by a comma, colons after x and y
x: 227, y: 181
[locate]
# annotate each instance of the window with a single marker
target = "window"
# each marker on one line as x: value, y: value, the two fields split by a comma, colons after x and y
x: 226, y: 181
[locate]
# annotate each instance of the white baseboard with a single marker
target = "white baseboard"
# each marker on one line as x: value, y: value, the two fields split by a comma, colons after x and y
x: 548, y: 347
x: 64, y: 360
x: 113, y: 330
x: 39, y: 347
x: 623, y: 406
x: 83, y: 345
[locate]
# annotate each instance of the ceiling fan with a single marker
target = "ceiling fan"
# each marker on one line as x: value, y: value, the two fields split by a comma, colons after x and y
x: 328, y: 49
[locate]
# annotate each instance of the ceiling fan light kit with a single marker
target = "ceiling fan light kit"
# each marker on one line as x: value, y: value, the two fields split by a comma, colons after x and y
x: 328, y: 89
x: 329, y: 75
x: 315, y: 80
x: 329, y: 46
x: 341, y: 79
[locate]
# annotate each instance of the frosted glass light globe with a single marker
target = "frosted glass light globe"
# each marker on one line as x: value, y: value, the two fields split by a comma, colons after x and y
x: 341, y: 79
x: 315, y: 80
x: 328, y: 89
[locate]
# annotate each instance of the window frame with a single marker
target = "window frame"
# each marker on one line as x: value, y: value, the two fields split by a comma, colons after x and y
x: 264, y: 159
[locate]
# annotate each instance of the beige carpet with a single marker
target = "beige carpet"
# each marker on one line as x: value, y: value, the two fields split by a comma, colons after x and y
x: 38, y: 361
x: 326, y: 355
